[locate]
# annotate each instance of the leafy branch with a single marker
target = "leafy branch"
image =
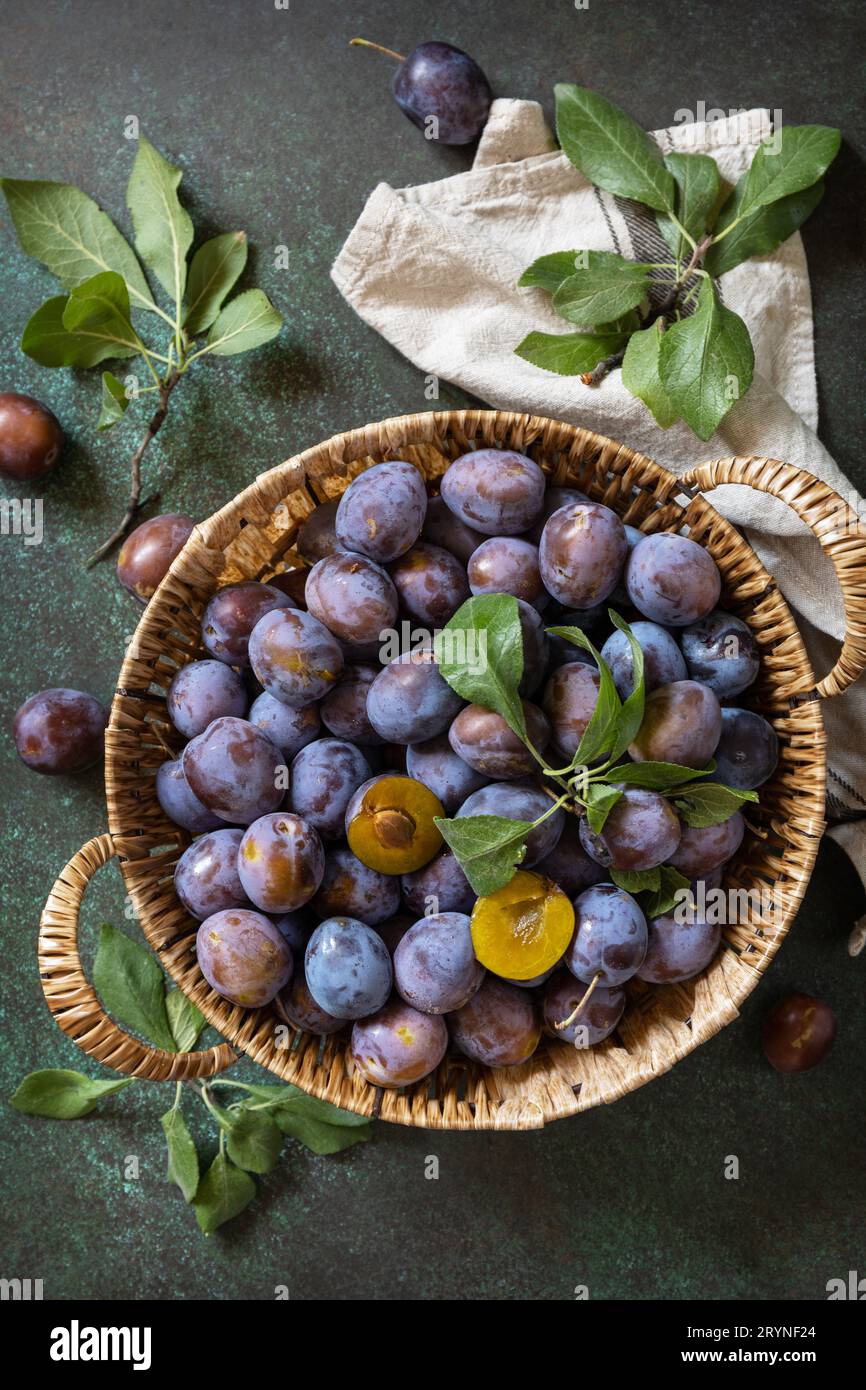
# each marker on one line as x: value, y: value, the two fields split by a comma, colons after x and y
x: 683, y: 360
x: 106, y: 286
x: 251, y: 1127
x: 491, y: 848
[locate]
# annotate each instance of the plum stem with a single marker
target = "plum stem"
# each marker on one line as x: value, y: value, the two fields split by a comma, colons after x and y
x: 585, y: 1000
x: 389, y: 52
x: 134, y: 505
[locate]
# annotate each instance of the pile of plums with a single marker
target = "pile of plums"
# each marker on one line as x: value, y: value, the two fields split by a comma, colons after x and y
x: 314, y: 772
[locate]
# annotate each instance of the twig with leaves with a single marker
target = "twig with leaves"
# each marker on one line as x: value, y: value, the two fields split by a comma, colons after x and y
x: 251, y: 1127
x: 683, y: 363
x: 490, y: 848
x: 107, y: 290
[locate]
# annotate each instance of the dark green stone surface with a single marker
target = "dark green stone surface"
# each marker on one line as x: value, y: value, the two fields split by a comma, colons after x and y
x: 283, y: 130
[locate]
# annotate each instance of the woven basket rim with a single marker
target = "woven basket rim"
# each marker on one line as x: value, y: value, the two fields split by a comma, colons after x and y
x: 328, y: 464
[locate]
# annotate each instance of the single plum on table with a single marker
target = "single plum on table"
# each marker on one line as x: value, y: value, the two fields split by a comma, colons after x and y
x: 324, y: 777
x: 352, y: 596
x: 398, y: 1046
x: 59, y: 731
x: 352, y: 889
x: 348, y: 968
x: 444, y: 92
x: 641, y: 831
x: 581, y: 554
x: 435, y: 969
x: 483, y: 740
x: 294, y: 656
x: 409, y: 699
x: 382, y: 511
x: 672, y: 580
x: 798, y: 1033
x: 496, y: 491
x: 147, y: 554
x: 243, y: 957
x: 206, y: 876
x: 499, y: 1026
x: 233, y: 770
x: 202, y: 692
x: 610, y: 936
x: 231, y: 615
x: 31, y: 438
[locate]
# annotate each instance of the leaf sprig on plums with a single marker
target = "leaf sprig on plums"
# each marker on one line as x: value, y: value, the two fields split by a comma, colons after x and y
x: 103, y: 314
x: 251, y: 1128
x: 688, y: 356
x: 480, y: 655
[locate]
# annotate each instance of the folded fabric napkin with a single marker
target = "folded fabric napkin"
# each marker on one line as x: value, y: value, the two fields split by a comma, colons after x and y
x: 434, y: 269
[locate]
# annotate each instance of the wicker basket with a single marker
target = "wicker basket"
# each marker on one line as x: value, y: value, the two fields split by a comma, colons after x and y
x: 253, y: 537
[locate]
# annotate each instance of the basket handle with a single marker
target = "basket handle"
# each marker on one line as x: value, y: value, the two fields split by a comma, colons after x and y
x: 837, y: 528
x: 71, y: 997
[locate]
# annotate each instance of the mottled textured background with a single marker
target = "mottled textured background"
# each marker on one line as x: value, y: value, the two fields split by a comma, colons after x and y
x: 281, y: 129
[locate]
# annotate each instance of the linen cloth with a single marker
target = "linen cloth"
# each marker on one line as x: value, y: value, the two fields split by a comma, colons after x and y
x: 433, y: 268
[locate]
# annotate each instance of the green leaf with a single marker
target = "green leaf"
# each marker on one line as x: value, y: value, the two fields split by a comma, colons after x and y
x: 637, y: 880
x: 697, y: 180
x: 272, y: 1094
x: 320, y: 1126
x: 99, y: 308
x: 657, y: 777
x: 182, y: 1156
x: 163, y: 229
x: 114, y: 402
x: 488, y: 848
x: 63, y: 1095
x: 610, y: 148
x: 792, y: 159
x: 600, y: 801
x: 666, y: 896
x: 548, y: 272
x: 569, y: 354
x: 185, y: 1020
x: 222, y: 1194
x: 213, y: 271
x: 600, y: 733
x: 49, y: 343
x: 631, y: 715
x: 480, y: 655
x: 245, y: 323
x: 254, y: 1141
x: 131, y: 985
x: 640, y: 374
x: 66, y: 231
x: 762, y: 231
x: 706, y: 362
x: 606, y: 289
x: 709, y: 803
